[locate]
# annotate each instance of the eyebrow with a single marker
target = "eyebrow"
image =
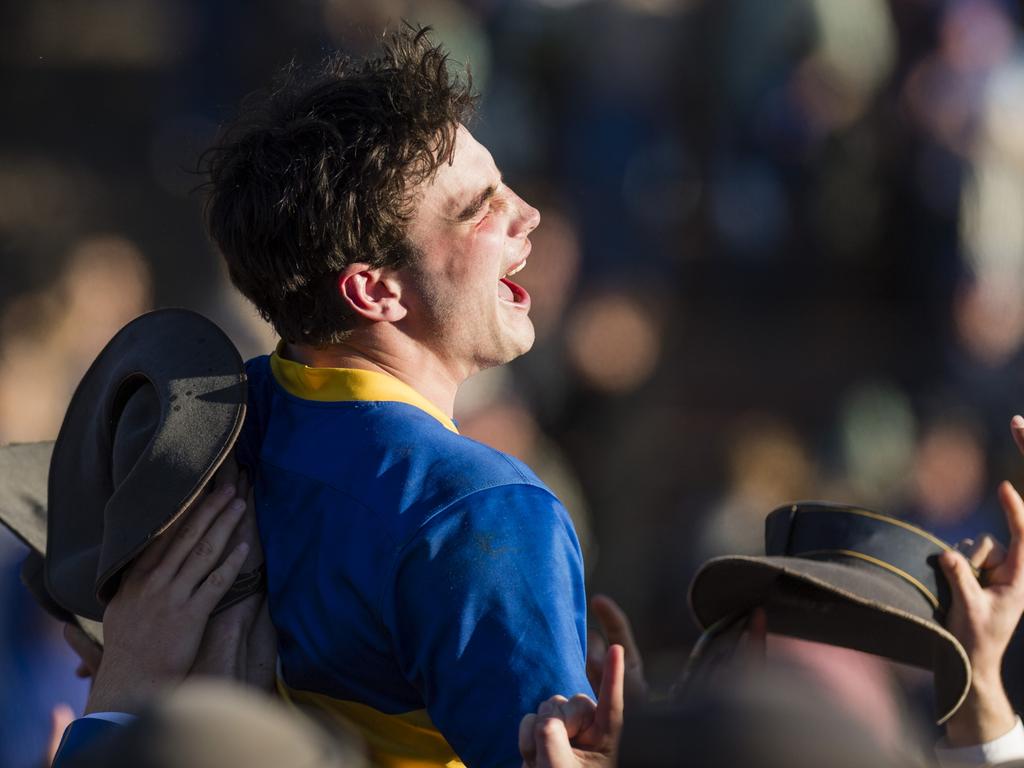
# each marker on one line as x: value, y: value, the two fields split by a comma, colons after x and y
x: 474, y: 205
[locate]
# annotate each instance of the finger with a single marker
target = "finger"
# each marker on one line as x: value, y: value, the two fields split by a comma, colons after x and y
x: 247, y: 531
x: 157, y: 547
x: 552, y: 740
x: 985, y: 553
x: 155, y: 551
x: 216, y: 585
x: 596, y: 650
x: 89, y: 653
x: 965, y: 588
x: 209, y: 550
x: 192, y: 528
x: 551, y: 707
x: 608, y: 716
x: 616, y: 626
x: 527, y: 743
x: 1017, y: 430
x: 578, y: 714
x: 1013, y: 507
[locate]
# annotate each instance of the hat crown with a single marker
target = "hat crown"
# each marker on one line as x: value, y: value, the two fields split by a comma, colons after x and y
x: 134, y: 426
x: 862, y: 538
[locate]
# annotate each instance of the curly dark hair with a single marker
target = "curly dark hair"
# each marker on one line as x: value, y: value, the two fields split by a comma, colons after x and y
x: 317, y: 173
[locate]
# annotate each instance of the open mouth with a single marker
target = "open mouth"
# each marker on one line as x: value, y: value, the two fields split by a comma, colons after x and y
x: 511, y: 292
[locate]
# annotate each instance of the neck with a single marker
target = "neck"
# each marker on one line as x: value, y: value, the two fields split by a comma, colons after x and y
x: 415, y: 367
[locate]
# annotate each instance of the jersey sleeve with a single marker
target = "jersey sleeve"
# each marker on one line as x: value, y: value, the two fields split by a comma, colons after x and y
x: 488, y: 615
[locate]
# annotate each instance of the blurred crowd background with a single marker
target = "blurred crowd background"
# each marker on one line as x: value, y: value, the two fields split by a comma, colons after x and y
x: 781, y: 257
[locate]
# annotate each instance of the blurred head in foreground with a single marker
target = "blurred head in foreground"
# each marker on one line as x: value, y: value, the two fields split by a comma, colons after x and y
x: 216, y: 725
x: 765, y: 719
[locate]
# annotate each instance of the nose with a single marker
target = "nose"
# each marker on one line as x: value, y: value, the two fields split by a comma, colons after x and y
x: 527, y: 219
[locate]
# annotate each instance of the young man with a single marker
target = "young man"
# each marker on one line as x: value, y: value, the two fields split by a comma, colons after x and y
x: 424, y: 586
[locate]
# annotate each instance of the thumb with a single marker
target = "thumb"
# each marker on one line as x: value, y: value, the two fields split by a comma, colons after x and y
x: 963, y: 584
x: 552, y: 743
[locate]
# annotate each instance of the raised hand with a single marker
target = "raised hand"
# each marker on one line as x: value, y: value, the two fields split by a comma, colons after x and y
x: 616, y: 629
x: 984, y: 615
x: 154, y: 624
x: 577, y: 732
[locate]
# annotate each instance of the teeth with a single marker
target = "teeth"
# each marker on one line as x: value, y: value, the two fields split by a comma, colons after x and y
x: 516, y: 269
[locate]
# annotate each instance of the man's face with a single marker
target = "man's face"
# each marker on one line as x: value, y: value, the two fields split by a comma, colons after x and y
x: 470, y: 231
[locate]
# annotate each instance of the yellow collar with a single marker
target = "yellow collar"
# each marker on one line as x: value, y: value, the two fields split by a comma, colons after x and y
x: 344, y: 384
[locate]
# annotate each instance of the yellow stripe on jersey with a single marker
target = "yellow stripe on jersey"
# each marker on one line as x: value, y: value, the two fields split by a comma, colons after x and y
x: 345, y: 384
x: 408, y: 740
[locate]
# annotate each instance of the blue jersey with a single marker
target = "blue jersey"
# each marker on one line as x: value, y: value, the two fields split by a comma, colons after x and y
x: 425, y: 587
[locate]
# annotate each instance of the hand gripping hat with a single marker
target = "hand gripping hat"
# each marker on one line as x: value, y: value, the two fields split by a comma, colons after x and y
x: 151, y: 421
x: 849, y: 577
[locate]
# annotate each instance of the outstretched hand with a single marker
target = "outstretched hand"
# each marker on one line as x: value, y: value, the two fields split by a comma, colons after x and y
x: 154, y: 624
x: 983, y: 617
x: 616, y: 629
x: 577, y: 732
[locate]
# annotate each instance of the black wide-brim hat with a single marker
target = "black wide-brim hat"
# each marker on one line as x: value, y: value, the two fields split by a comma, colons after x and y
x: 150, y: 423
x: 848, y: 577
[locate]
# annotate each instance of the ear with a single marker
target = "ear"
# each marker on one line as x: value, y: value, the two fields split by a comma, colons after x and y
x: 372, y: 293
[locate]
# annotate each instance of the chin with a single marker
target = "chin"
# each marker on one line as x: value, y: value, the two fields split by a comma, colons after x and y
x: 512, y: 346
x: 525, y: 342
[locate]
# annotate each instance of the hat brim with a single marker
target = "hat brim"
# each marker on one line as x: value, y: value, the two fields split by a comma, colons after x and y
x: 839, y: 604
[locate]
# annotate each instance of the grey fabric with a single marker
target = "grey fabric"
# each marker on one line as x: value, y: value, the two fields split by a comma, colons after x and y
x: 24, y: 468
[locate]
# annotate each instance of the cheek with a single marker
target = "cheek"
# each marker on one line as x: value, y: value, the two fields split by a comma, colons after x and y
x: 491, y: 245
x: 479, y: 258
x: 471, y: 260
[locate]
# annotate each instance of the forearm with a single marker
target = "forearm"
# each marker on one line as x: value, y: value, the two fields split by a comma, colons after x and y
x: 985, y: 715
